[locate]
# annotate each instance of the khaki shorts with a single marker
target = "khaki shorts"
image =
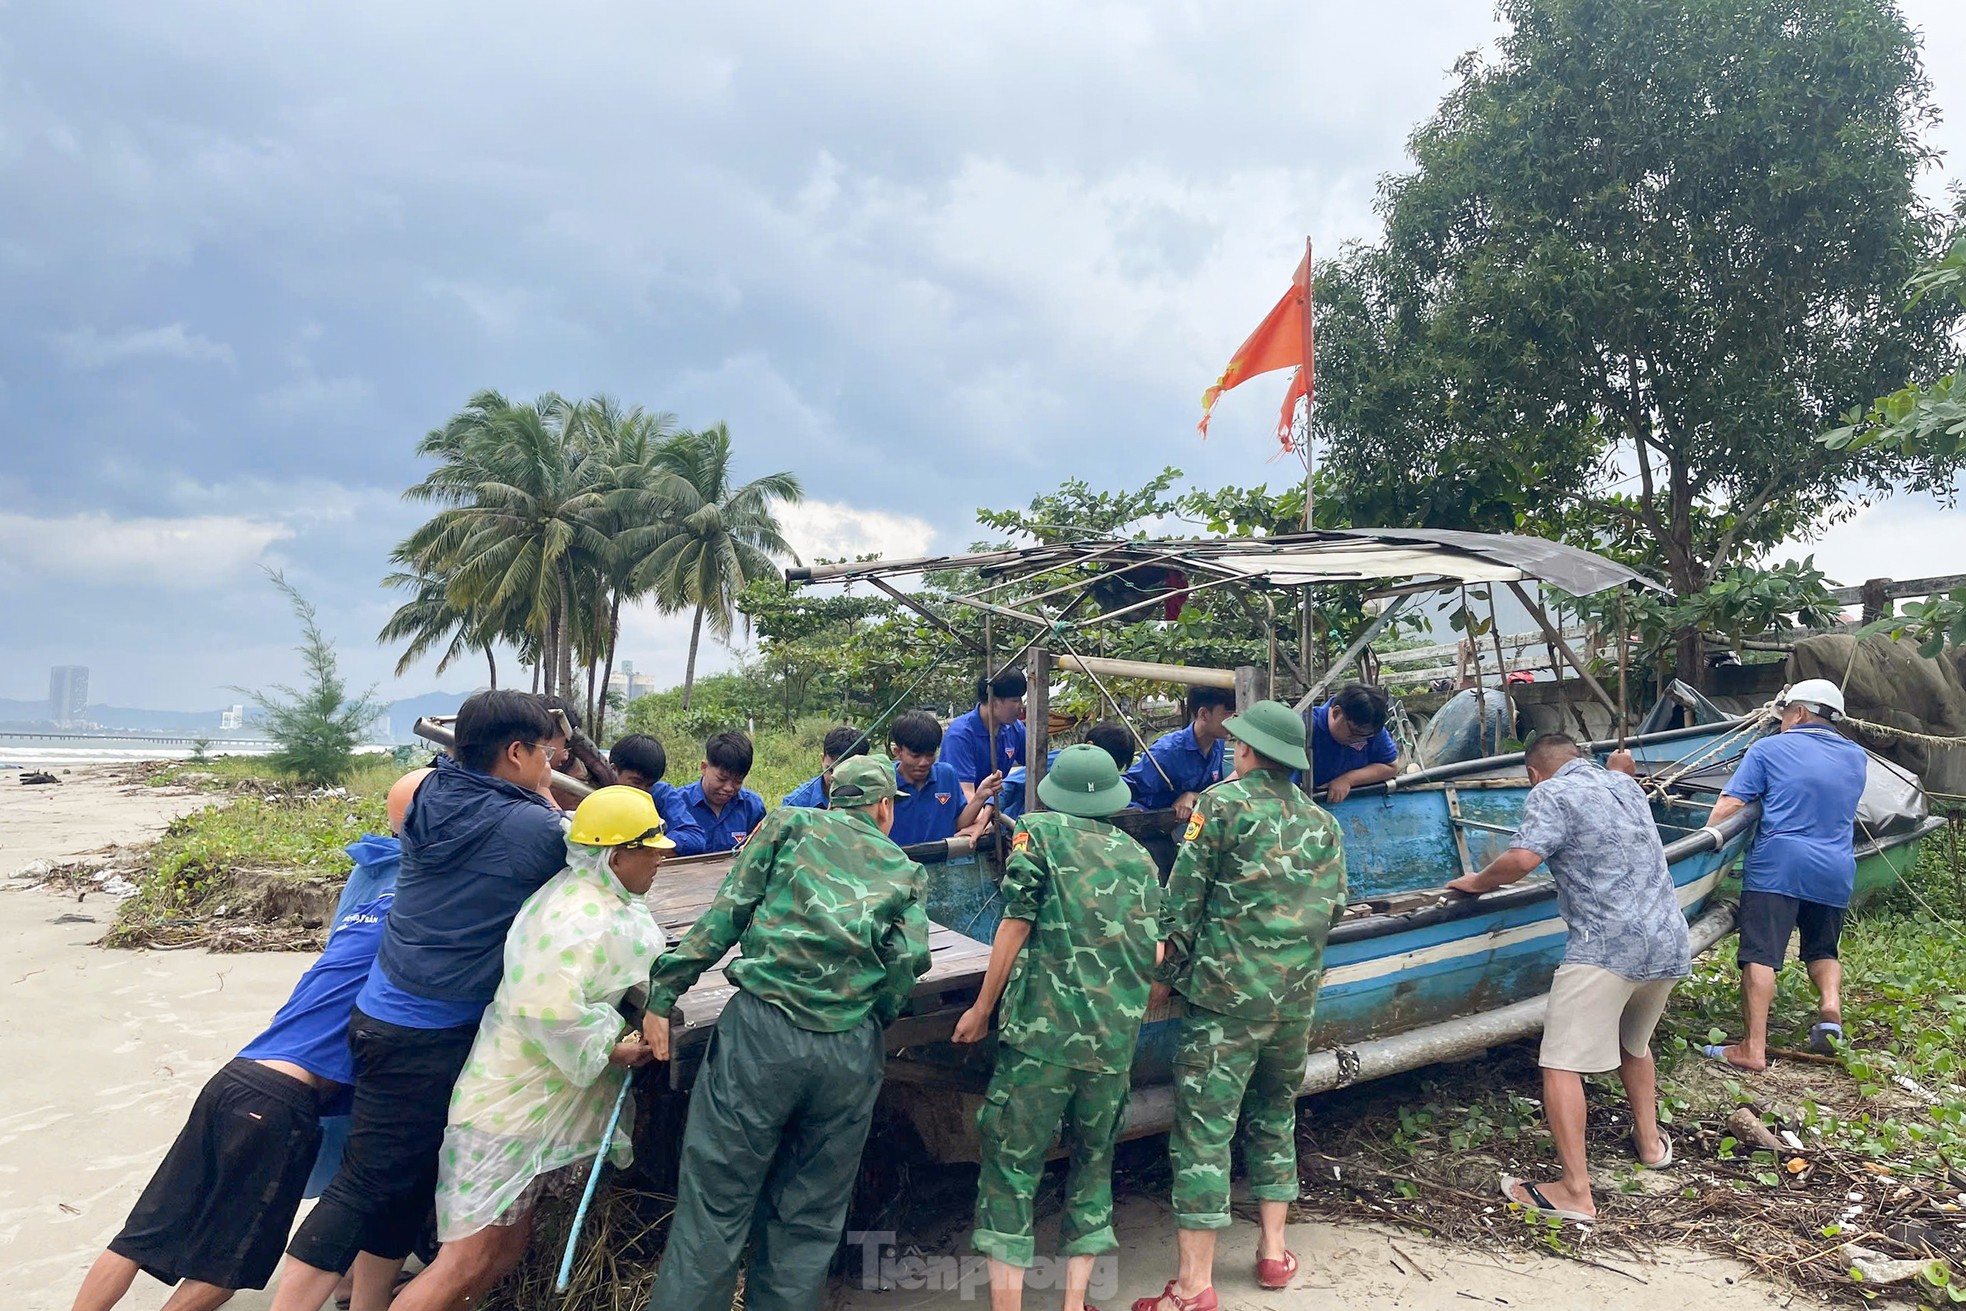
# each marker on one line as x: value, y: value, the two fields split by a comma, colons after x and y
x: 1593, y: 1013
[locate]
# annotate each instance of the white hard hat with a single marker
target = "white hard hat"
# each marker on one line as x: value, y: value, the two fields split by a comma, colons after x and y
x: 1819, y: 692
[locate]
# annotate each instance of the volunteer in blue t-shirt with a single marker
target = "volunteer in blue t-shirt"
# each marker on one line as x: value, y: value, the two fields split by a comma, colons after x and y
x: 934, y: 807
x: 1181, y: 765
x: 989, y: 740
x: 639, y: 761
x: 840, y: 744
x: 1802, y: 868
x: 721, y: 808
x: 218, y: 1209
x: 1349, y: 744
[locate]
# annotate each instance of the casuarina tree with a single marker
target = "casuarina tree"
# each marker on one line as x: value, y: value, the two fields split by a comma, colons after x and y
x: 318, y: 725
x: 1647, y: 252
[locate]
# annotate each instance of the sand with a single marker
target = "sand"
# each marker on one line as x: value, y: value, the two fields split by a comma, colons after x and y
x: 102, y: 1053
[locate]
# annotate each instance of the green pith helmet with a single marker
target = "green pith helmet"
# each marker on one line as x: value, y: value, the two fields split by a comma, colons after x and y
x: 1084, y: 781
x: 1273, y: 729
x: 862, y: 781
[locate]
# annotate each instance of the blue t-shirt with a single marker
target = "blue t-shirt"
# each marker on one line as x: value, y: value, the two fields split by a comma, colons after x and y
x: 725, y: 832
x: 1808, y: 781
x: 969, y: 750
x: 929, y: 812
x: 1010, y: 801
x: 811, y: 794
x: 1187, y: 767
x: 678, y: 820
x: 311, y: 1030
x: 1330, y: 757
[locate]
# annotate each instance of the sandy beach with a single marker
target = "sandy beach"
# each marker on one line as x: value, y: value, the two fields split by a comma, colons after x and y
x: 102, y: 1053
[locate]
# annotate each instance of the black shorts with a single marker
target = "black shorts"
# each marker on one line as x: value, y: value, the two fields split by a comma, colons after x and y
x: 379, y: 1201
x: 219, y: 1207
x: 1768, y: 918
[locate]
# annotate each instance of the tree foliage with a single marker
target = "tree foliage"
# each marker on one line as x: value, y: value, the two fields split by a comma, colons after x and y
x: 1646, y: 254
x: 319, y: 725
x: 554, y: 514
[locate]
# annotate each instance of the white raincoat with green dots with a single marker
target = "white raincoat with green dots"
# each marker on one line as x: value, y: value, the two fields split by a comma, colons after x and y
x: 537, y: 1092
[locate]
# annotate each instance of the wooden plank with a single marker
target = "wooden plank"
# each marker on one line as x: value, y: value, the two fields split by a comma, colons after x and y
x: 1895, y: 588
x: 1460, y: 829
x: 1037, y: 732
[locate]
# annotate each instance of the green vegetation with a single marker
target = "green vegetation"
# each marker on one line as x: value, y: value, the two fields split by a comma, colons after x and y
x: 318, y: 727
x: 1635, y: 271
x: 553, y: 514
x: 258, y: 869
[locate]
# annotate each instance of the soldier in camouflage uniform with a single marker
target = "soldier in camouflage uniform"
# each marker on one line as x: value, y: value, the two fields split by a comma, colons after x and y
x: 1258, y: 881
x: 1076, y: 950
x: 828, y: 917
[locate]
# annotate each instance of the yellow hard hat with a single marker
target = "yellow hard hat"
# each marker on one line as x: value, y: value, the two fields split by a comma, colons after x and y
x: 618, y: 817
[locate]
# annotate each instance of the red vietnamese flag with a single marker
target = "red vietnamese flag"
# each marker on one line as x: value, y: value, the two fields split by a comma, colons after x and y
x: 1281, y: 341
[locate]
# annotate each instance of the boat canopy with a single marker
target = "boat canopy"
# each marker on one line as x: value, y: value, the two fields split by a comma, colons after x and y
x: 1403, y: 559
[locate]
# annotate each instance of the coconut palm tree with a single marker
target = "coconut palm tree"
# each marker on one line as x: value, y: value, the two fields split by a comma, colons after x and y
x: 720, y: 536
x: 430, y: 620
x: 639, y: 497
x: 517, y: 530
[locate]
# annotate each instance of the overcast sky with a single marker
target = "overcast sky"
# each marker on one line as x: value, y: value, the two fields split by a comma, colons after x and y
x: 929, y: 256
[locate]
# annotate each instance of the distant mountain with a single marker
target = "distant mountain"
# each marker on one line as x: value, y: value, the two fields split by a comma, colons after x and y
x: 34, y: 714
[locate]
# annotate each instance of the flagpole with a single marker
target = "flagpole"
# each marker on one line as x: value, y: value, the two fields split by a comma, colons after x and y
x: 1310, y: 456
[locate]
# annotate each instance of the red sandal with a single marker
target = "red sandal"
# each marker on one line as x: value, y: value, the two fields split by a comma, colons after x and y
x: 1276, y: 1274
x: 1202, y: 1301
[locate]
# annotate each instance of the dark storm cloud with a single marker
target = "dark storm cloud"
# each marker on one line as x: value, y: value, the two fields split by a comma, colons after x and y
x: 930, y: 256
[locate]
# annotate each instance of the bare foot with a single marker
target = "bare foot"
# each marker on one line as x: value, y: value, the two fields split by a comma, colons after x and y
x: 1737, y: 1056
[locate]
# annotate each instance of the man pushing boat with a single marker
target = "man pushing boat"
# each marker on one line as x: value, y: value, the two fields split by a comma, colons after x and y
x: 1259, y: 879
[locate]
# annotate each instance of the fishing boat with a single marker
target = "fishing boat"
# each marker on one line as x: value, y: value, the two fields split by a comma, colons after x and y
x: 1414, y: 974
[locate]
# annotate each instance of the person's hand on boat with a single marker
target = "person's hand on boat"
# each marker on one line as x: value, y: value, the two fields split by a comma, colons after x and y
x: 1337, y: 790
x: 655, y: 1032
x: 1622, y: 761
x: 631, y: 1052
x: 973, y: 1025
x: 1184, y: 805
x: 1468, y: 885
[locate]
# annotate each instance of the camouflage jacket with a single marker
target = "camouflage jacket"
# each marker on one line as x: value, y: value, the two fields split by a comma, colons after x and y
x: 827, y: 917
x: 1258, y: 882
x: 1078, y: 990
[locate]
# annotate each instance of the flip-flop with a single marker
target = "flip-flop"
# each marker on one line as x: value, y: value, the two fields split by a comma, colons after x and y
x: 1538, y: 1203
x: 1665, y: 1141
x: 1820, y: 1039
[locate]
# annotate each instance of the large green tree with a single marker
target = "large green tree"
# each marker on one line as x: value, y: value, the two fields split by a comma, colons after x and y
x: 721, y: 535
x: 1647, y: 252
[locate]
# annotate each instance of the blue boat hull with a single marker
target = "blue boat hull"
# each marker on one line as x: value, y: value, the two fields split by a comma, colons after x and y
x: 1418, y: 956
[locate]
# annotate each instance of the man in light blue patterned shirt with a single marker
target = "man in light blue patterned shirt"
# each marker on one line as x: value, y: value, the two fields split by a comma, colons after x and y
x: 1627, y: 947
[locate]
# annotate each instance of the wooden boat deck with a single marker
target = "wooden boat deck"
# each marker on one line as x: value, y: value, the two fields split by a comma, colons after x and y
x: 684, y: 890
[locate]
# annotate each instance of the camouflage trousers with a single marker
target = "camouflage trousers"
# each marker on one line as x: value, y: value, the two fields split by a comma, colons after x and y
x: 1225, y: 1067
x: 1021, y: 1114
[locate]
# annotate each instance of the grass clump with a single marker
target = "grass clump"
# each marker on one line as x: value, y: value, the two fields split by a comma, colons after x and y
x: 261, y: 869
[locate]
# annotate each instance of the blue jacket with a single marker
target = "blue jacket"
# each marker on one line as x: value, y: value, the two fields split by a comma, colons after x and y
x: 474, y: 848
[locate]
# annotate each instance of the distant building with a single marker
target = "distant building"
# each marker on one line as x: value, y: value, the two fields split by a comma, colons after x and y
x: 68, y: 693
x: 628, y: 685
x: 231, y: 721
